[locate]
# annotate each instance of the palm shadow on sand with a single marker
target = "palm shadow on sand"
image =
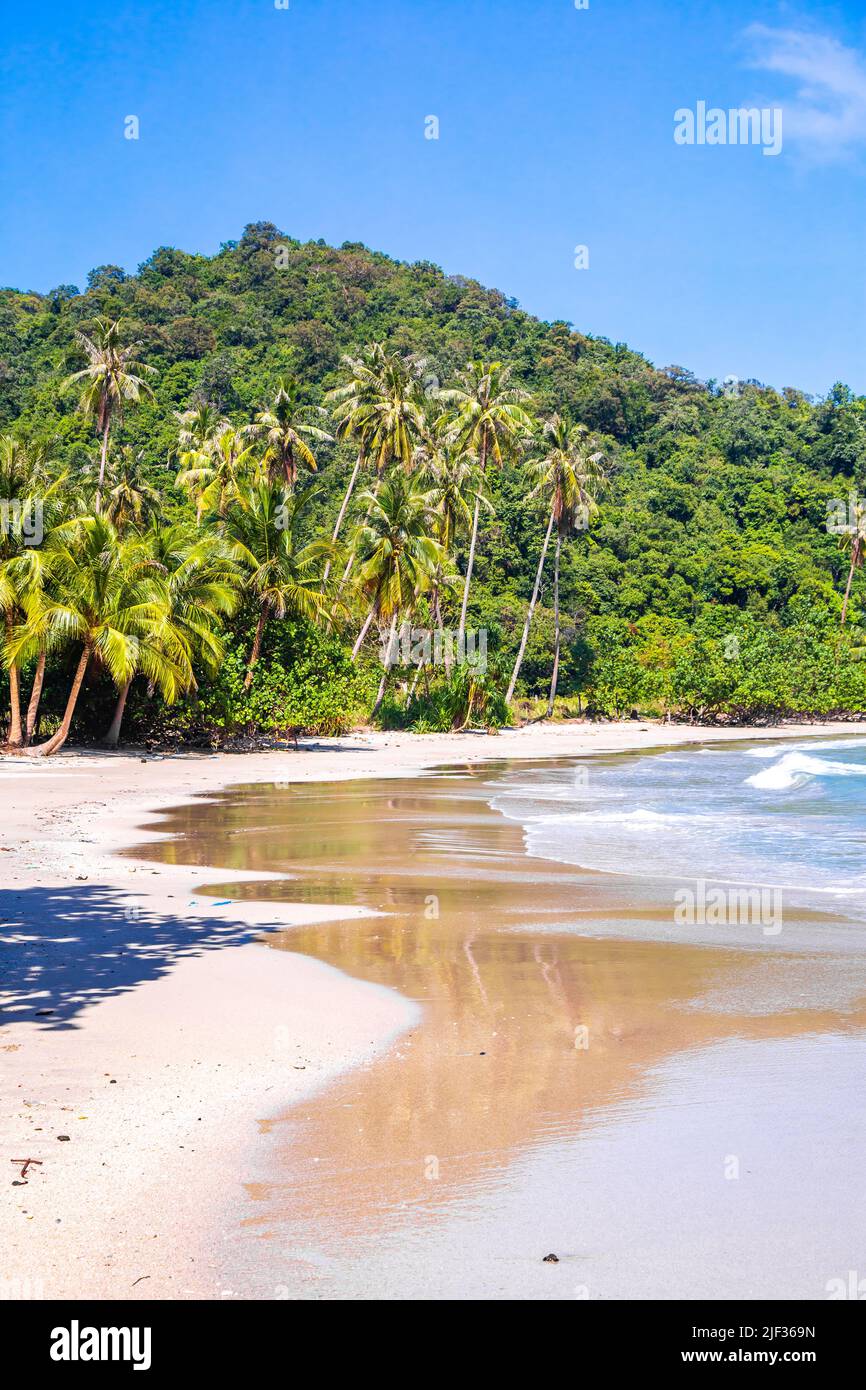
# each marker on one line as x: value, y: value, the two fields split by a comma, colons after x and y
x: 64, y: 948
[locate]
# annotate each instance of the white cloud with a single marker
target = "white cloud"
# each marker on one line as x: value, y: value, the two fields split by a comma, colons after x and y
x: 827, y: 113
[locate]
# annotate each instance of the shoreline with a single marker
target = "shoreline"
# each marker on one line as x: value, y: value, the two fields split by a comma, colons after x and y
x: 183, y: 1044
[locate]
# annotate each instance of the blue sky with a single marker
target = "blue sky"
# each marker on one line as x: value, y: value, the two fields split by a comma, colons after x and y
x: 556, y: 130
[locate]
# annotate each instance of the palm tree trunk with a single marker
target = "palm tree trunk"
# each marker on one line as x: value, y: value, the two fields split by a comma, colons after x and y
x: 437, y: 618
x: 56, y: 741
x: 555, y: 677
x: 16, y: 737
x: 384, y: 681
x: 351, y: 560
x: 35, y: 697
x: 342, y: 512
x: 461, y: 631
x: 363, y: 633
x: 415, y: 679
x: 532, y: 602
x: 112, y: 736
x: 103, y: 460
x: 848, y: 586
x: 257, y: 646
x: 473, y: 689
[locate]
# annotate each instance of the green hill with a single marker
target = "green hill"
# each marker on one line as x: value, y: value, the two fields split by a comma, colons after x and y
x: 708, y: 583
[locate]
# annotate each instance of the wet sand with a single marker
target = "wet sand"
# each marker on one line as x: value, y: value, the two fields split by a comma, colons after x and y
x: 567, y: 1088
x: 143, y: 1018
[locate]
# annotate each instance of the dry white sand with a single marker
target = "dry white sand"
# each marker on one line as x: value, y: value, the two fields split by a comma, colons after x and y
x: 174, y: 1033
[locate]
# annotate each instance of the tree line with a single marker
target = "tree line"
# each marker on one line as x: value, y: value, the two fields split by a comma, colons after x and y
x: 133, y: 596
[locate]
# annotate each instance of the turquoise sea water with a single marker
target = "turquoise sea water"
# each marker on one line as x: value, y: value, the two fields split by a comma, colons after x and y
x: 787, y: 815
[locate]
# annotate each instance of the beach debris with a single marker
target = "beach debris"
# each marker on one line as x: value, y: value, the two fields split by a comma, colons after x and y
x: 139, y: 1279
x: 550, y: 1260
x: 64, y: 1138
x: 223, y: 902
x: 40, y: 1013
x: 25, y: 1164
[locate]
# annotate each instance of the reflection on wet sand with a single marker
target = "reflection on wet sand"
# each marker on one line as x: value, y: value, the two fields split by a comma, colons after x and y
x: 528, y: 1030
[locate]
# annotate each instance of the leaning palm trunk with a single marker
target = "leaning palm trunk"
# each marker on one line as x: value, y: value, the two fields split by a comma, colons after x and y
x: 555, y: 677
x: 420, y: 669
x: 112, y: 736
x: 532, y: 602
x: 257, y: 646
x: 342, y: 514
x: 848, y: 587
x: 351, y: 560
x: 35, y: 697
x: 16, y: 737
x: 854, y: 556
x: 363, y: 633
x: 482, y: 461
x: 469, y: 707
x: 392, y: 635
x: 56, y: 742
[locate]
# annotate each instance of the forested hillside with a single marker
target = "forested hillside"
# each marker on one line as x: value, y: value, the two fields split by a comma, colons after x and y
x: 703, y: 578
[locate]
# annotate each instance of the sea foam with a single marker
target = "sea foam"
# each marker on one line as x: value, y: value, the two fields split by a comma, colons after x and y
x: 794, y: 769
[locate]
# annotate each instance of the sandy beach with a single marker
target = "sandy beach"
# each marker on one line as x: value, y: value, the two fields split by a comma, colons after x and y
x: 148, y: 1040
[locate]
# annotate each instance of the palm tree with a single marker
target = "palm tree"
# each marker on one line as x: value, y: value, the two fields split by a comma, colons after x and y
x: 132, y: 499
x: 108, y: 382
x: 381, y: 406
x: 530, y: 611
x: 215, y: 476
x: 283, y: 574
x: 9, y: 597
x: 490, y: 421
x: 399, y: 558
x: 199, y: 585
x: 583, y: 480
x: 455, y: 485
x: 198, y: 427
x: 27, y: 491
x: 567, y: 479
x: 15, y: 479
x: 27, y: 571
x: 853, y: 538
x: 285, y: 432
x: 99, y: 593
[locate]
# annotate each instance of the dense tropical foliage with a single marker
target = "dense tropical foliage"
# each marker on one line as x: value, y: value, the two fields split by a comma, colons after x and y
x: 292, y: 486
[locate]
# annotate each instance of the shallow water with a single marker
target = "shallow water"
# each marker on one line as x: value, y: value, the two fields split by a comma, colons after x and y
x: 568, y: 1087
